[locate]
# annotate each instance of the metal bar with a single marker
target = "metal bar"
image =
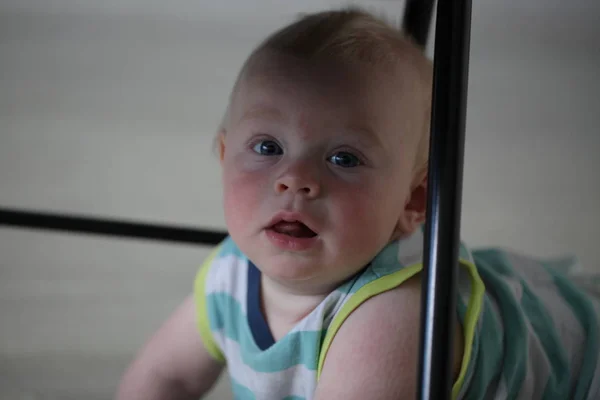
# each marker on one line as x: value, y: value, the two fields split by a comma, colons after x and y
x: 442, y: 228
x: 108, y: 227
x: 417, y: 20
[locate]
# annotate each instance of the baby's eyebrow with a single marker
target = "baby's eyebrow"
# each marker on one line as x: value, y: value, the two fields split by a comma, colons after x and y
x: 262, y: 112
x: 364, y: 136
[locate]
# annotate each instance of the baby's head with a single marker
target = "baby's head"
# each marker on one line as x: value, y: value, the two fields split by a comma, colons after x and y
x: 324, y: 147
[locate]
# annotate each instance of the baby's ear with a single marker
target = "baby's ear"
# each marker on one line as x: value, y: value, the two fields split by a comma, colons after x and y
x: 414, y: 211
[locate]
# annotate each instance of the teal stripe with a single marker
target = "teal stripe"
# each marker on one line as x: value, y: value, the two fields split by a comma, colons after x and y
x: 516, y: 335
x: 386, y: 261
x: 494, y: 260
x: 462, y: 312
x: 352, y: 286
x: 563, y: 265
x: 241, y: 392
x: 487, y: 356
x: 586, y: 314
x: 296, y: 348
x: 229, y: 248
x: 294, y: 398
x: 225, y: 313
x: 484, y: 366
x: 542, y: 323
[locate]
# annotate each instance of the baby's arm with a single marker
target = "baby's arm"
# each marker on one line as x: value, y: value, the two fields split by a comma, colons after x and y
x: 376, y: 351
x: 173, y: 365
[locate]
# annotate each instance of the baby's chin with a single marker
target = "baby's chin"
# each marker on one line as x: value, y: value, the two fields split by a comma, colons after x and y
x: 306, y: 275
x: 290, y: 267
x: 325, y: 265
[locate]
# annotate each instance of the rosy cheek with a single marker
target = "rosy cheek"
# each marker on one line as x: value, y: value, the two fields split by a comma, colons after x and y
x: 361, y: 207
x: 352, y: 207
x: 242, y: 197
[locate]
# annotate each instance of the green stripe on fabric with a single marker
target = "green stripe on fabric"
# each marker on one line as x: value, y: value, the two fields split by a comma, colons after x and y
x: 542, y: 323
x: 586, y: 314
x: 563, y: 265
x: 470, y: 369
x: 495, y: 259
x: 385, y: 263
x: 516, y: 334
x: 352, y: 286
x: 241, y: 392
x: 488, y: 359
x: 227, y: 318
x: 229, y: 248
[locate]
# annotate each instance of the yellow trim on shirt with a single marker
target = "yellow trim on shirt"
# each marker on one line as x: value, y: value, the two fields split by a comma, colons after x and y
x: 470, y: 323
x: 203, y: 322
x: 395, y: 279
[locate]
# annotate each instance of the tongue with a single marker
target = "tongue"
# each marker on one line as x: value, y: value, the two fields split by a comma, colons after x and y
x: 295, y: 229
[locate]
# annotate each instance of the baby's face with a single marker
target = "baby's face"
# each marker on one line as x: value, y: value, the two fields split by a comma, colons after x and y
x: 317, y: 168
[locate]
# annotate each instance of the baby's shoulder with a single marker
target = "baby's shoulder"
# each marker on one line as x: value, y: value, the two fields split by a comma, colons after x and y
x: 379, y: 341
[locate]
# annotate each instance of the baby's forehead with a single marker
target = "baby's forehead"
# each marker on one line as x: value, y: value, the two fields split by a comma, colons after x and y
x: 269, y: 64
x: 338, y: 80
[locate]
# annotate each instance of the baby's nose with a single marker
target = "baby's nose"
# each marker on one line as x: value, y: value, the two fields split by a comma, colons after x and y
x: 301, y: 184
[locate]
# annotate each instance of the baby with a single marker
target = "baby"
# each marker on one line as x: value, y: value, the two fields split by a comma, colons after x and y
x: 316, y: 293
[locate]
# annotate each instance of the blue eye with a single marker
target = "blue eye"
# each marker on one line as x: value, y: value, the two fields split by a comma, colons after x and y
x: 268, y: 148
x: 345, y: 160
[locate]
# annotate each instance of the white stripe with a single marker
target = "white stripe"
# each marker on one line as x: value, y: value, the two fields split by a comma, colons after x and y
x: 565, y: 322
x: 469, y: 252
x: 537, y: 370
x: 410, y: 249
x: 295, y: 381
x: 501, y: 392
x: 229, y: 275
x: 322, y: 316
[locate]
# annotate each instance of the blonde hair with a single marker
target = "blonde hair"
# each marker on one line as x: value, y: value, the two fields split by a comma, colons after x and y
x: 353, y: 36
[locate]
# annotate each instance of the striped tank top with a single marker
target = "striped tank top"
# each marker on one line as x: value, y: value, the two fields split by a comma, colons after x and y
x: 529, y: 332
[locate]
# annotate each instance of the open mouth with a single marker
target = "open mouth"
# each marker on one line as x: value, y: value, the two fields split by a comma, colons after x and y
x: 294, y: 229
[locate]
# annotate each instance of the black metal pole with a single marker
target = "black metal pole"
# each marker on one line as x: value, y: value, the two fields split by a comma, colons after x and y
x: 442, y: 228
x: 108, y: 227
x: 417, y: 20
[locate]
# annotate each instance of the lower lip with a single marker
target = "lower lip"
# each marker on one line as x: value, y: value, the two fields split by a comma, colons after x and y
x: 290, y: 243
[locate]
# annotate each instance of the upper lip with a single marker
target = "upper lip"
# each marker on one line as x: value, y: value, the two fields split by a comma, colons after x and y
x: 288, y: 216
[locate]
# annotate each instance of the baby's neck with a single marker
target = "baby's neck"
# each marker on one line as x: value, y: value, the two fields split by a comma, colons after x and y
x: 283, y: 307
